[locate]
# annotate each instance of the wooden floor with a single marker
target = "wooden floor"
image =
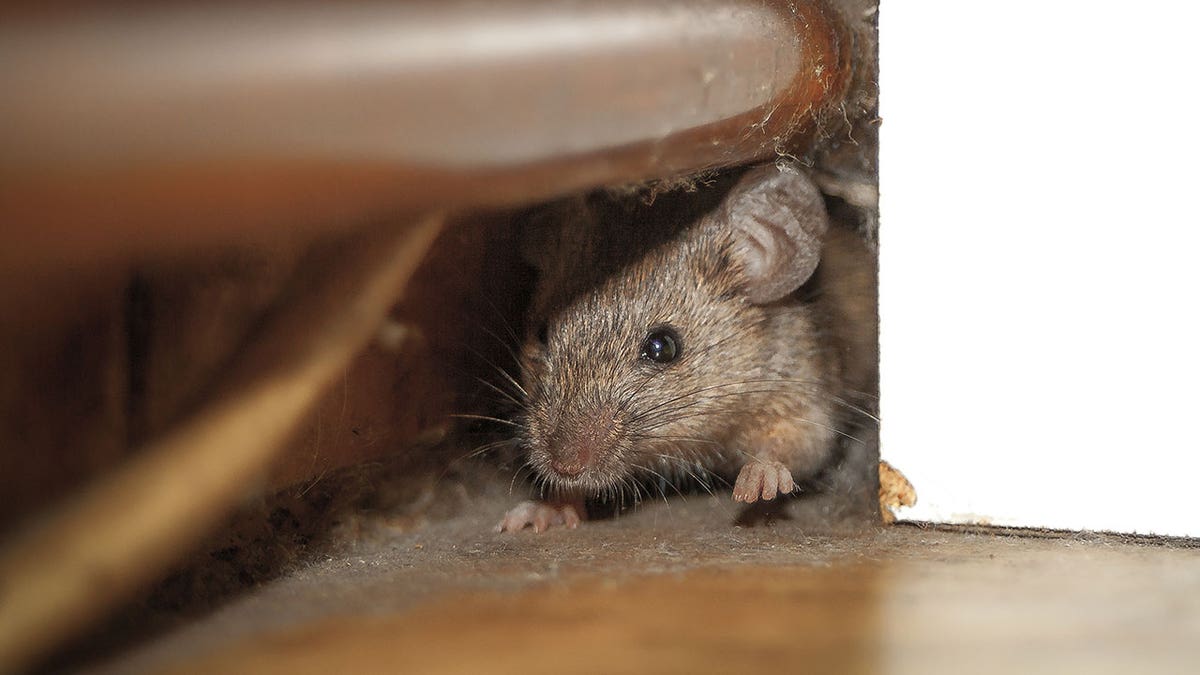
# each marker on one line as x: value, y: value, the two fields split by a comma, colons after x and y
x: 676, y: 588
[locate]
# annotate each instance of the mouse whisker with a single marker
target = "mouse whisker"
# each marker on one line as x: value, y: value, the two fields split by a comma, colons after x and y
x: 797, y: 419
x: 663, y: 481
x: 677, y: 462
x: 637, y: 489
x: 826, y: 427
x: 736, y: 383
x: 623, y: 404
x: 510, y: 380
x: 507, y: 344
x: 661, y: 410
x: 485, y: 360
x: 487, y: 418
x: 672, y: 416
x: 680, y: 397
x: 690, y: 439
x: 509, y: 397
x: 836, y: 399
x: 512, y: 484
x: 503, y: 319
x: 683, y: 446
x: 488, y: 447
x: 862, y: 394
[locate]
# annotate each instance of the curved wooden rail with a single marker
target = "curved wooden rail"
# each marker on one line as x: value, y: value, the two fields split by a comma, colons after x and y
x: 157, y: 129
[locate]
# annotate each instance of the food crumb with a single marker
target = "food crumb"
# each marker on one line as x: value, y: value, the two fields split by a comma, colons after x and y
x: 894, y: 492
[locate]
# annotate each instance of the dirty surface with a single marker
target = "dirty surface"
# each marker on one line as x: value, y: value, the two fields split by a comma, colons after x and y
x: 676, y: 586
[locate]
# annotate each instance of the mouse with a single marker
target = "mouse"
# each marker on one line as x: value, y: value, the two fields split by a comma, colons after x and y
x: 740, y: 342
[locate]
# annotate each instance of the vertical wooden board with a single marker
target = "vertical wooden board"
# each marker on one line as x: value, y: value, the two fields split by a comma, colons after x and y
x: 63, y: 386
x: 189, y: 316
x: 455, y: 325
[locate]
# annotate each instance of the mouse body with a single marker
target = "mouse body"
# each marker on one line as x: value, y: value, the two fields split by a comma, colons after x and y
x: 738, y: 342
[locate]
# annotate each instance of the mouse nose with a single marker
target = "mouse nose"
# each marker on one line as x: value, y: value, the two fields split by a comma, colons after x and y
x: 571, y: 468
x: 577, y: 444
x: 572, y: 458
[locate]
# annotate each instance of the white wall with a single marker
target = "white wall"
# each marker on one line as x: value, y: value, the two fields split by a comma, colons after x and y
x: 1040, y: 261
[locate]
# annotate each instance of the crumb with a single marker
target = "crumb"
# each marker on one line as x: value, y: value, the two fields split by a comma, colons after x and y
x: 894, y: 491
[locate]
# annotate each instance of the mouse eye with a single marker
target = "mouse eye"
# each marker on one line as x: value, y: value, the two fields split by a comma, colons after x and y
x: 543, y: 333
x: 661, y: 345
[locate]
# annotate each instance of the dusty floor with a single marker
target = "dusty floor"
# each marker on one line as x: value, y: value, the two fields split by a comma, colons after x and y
x: 677, y: 587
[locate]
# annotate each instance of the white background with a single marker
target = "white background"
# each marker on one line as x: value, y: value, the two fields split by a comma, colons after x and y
x: 1040, y: 261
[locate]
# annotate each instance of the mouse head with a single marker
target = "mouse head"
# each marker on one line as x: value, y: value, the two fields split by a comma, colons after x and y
x: 638, y: 362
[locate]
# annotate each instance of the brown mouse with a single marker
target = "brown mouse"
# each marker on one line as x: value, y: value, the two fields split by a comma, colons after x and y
x: 736, y: 342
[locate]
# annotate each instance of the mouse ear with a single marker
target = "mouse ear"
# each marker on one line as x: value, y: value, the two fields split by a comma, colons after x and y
x: 777, y: 221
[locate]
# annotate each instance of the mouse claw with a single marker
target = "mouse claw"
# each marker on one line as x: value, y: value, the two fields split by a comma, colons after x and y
x: 763, y: 479
x: 570, y: 517
x: 541, y: 516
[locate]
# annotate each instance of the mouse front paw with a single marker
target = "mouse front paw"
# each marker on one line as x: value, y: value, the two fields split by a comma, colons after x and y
x: 542, y: 515
x: 762, y: 479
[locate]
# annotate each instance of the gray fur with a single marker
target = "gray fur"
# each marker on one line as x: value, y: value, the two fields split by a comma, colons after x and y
x: 775, y: 349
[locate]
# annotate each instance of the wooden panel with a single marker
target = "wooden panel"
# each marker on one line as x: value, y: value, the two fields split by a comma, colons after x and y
x: 159, y: 128
x: 677, y: 589
x: 64, y: 375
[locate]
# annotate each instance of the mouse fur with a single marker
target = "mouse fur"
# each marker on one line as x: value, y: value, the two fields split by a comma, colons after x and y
x: 775, y: 318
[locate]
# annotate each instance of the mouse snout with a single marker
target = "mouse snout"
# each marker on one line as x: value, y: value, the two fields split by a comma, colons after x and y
x: 579, y: 444
x: 571, y: 466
